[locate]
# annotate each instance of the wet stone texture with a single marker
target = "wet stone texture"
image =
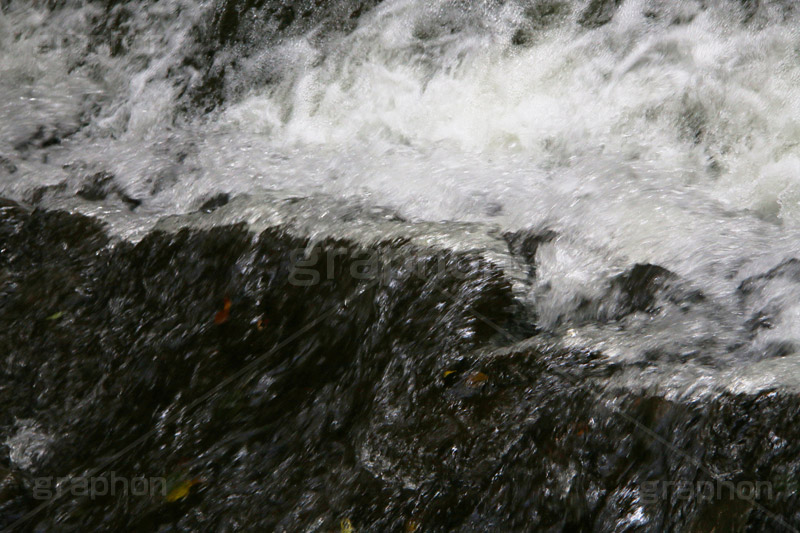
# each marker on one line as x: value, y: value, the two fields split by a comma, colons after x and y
x: 293, y: 407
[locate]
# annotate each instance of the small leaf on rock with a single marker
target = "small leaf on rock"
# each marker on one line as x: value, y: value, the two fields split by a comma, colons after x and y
x: 181, y: 490
x: 222, y: 316
x: 56, y: 315
x: 476, y: 379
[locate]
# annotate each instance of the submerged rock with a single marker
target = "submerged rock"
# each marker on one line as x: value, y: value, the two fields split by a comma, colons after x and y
x: 246, y: 26
x: 39, y: 194
x: 100, y: 185
x: 216, y: 201
x: 7, y: 165
x: 598, y: 12
x: 642, y: 286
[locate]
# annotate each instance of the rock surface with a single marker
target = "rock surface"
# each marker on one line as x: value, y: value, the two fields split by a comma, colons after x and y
x: 398, y: 408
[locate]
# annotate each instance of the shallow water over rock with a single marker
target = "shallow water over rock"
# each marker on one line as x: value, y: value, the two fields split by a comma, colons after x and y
x: 414, y: 400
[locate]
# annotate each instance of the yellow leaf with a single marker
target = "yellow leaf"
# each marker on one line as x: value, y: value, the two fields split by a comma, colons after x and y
x: 56, y: 315
x: 181, y: 490
x: 346, y: 526
x: 448, y: 372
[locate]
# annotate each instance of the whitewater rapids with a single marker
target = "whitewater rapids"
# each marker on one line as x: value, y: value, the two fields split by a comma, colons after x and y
x: 663, y: 133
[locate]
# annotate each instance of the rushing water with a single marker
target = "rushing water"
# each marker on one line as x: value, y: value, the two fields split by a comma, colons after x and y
x: 666, y: 135
x: 629, y: 132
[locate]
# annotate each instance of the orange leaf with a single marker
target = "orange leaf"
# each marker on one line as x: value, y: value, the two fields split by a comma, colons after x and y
x: 222, y: 316
x: 478, y: 378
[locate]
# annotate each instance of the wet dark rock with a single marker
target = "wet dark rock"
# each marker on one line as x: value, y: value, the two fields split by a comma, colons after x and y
x: 112, y: 27
x: 43, y: 137
x: 100, y: 185
x: 163, y: 180
x: 396, y: 406
x: 789, y: 269
x: 539, y: 15
x: 757, y: 292
x: 749, y: 8
x: 544, y: 13
x: 13, y: 499
x: 131, y: 202
x: 525, y: 243
x: 779, y: 349
x: 235, y: 29
x: 97, y: 186
x: 38, y: 194
x: 598, y: 13
x: 235, y: 20
x: 7, y: 165
x: 54, y: 248
x: 644, y: 286
x: 13, y: 215
x: 215, y: 202
x: 521, y: 37
x: 639, y: 285
x: 694, y: 121
x: 761, y: 320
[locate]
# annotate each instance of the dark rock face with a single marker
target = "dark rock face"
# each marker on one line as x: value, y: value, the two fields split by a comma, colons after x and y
x: 644, y: 287
x: 100, y: 185
x: 598, y: 12
x: 40, y: 193
x: 639, y: 285
x: 43, y: 136
x: 215, y: 202
x: 133, y: 328
x: 235, y: 20
x: 7, y: 165
x: 756, y: 294
x: 524, y: 244
x: 382, y: 400
x: 789, y: 269
x: 539, y: 15
x: 97, y: 187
